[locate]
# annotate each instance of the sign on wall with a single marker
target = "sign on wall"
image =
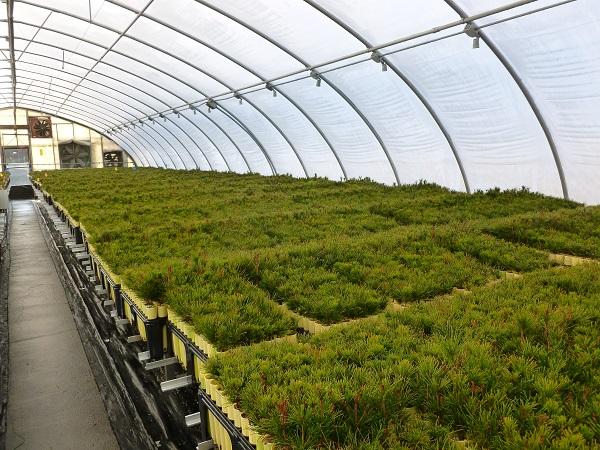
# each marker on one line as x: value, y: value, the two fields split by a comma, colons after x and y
x: 40, y: 127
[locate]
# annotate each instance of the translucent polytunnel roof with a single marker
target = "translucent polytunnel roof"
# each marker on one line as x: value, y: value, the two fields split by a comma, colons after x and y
x: 393, y: 90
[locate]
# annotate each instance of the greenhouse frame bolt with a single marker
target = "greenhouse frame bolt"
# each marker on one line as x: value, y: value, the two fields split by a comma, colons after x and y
x: 191, y: 420
x: 161, y: 363
x: 177, y: 383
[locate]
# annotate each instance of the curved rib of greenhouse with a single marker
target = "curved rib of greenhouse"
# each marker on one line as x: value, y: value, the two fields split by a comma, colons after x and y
x: 468, y: 94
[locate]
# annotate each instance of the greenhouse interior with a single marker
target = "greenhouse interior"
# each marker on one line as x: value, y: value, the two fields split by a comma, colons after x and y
x: 300, y: 224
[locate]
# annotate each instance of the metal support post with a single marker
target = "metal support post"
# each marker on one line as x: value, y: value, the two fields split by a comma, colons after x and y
x: 119, y: 302
x: 78, y: 235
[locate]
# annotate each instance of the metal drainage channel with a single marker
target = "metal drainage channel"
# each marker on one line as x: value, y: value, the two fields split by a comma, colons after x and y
x: 157, y: 354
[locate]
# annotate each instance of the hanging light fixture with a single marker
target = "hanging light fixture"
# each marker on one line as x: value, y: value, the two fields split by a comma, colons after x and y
x: 271, y: 88
x: 472, y: 31
x: 238, y: 96
x: 376, y: 56
x: 211, y: 104
x: 316, y: 76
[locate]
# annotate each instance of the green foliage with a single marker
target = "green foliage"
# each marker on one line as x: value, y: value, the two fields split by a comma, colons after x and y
x: 153, y: 287
x: 510, y: 366
x: 4, y: 179
x: 575, y: 231
x: 224, y: 248
x: 346, y: 278
x: 495, y: 252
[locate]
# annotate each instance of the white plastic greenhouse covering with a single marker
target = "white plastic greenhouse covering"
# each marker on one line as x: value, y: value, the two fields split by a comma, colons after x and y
x: 311, y: 87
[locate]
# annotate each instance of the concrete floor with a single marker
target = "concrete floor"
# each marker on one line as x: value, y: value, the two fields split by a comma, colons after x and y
x: 53, y: 400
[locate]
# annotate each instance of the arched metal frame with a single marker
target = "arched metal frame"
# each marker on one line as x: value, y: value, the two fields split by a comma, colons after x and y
x: 158, y: 86
x: 166, y: 129
x: 100, y: 124
x: 306, y: 64
x: 344, y: 96
x: 238, y: 63
x: 229, y: 113
x: 110, y: 87
x: 90, y: 126
x: 79, y: 111
x: 406, y: 81
x: 87, y: 73
x: 249, y: 70
x: 92, y: 118
x: 252, y: 29
x: 84, y: 103
x: 96, y: 62
x: 515, y: 76
x: 112, y: 105
x: 87, y: 121
x: 122, y: 93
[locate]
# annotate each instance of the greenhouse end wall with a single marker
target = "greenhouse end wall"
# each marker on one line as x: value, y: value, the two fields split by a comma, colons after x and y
x: 44, y: 153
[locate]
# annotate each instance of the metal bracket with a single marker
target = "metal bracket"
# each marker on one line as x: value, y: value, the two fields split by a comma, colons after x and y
x: 379, y: 59
x: 177, y: 383
x: 191, y: 420
x: 211, y: 104
x: 472, y: 31
x: 161, y: 363
x: 206, y: 445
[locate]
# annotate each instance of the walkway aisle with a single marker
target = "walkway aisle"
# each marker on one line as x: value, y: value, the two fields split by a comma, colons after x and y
x: 53, y: 400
